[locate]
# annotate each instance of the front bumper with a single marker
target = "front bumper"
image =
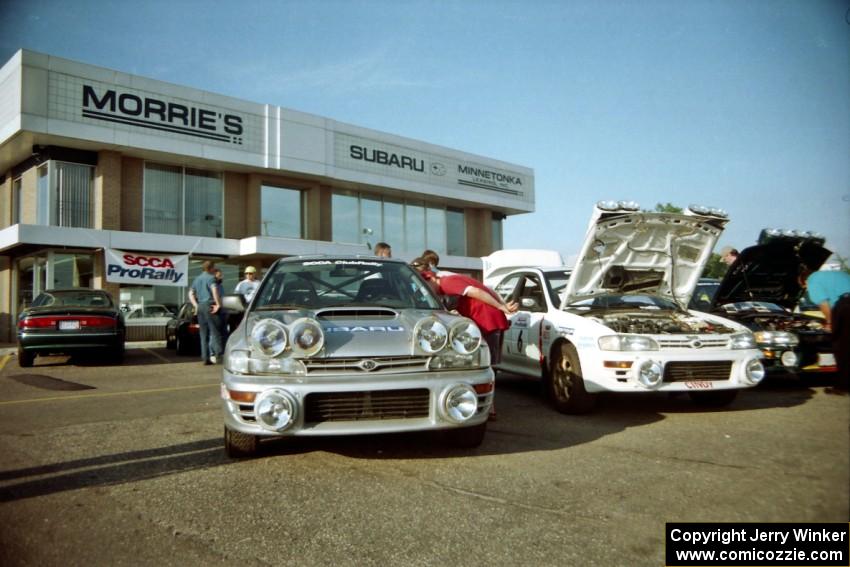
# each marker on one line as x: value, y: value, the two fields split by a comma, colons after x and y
x: 343, y: 405
x: 680, y: 372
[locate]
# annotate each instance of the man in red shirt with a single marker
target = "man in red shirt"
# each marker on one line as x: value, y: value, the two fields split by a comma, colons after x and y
x: 479, y: 303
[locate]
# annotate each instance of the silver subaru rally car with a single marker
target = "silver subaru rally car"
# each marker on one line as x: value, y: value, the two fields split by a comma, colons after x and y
x: 334, y: 345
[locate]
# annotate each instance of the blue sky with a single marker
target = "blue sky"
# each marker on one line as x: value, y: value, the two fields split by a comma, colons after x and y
x: 743, y: 105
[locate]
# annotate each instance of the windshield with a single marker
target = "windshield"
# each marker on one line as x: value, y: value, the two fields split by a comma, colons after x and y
x: 620, y: 301
x: 317, y: 284
x: 82, y: 298
x: 703, y: 296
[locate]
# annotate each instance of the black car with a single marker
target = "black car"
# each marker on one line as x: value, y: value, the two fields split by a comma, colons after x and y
x: 64, y: 321
x: 182, y: 333
x: 762, y: 289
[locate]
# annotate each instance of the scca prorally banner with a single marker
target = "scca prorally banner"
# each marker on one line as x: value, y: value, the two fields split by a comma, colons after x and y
x: 146, y: 268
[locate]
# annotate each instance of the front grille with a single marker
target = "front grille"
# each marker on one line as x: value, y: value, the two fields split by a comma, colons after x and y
x: 687, y: 371
x: 691, y: 342
x: 377, y: 365
x: 359, y: 406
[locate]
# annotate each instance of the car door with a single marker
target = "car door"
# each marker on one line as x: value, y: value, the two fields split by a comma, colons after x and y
x: 506, y: 289
x: 526, y: 323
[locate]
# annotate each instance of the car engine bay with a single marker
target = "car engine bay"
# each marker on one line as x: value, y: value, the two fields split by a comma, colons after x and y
x: 660, y: 324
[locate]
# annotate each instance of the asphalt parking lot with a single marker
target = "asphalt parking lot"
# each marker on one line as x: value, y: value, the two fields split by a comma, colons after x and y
x: 124, y: 465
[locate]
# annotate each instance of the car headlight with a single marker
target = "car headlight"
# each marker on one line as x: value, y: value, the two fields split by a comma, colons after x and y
x: 431, y: 335
x: 275, y: 409
x: 306, y: 337
x: 776, y: 338
x: 743, y: 341
x: 237, y: 361
x: 754, y: 371
x: 459, y: 403
x: 465, y: 337
x: 268, y: 337
x: 627, y: 343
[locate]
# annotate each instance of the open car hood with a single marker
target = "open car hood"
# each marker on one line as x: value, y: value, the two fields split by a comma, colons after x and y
x: 770, y: 272
x: 652, y: 253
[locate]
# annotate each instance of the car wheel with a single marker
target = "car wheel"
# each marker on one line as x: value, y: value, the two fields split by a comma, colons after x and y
x: 116, y: 354
x: 716, y: 399
x: 467, y: 437
x: 169, y: 342
x: 181, y: 346
x: 565, y: 384
x: 25, y: 359
x: 239, y: 445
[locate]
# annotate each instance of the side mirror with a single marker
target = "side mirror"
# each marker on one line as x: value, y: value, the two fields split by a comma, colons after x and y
x: 235, y: 303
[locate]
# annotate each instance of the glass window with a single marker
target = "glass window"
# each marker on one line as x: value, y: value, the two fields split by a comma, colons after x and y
x: 414, y: 233
x: 371, y: 219
x: 346, y: 225
x: 74, y: 194
x: 163, y: 197
x: 394, y: 225
x: 497, y: 231
x: 43, y: 196
x: 71, y: 270
x: 281, y: 212
x: 455, y: 232
x: 203, y: 200
x: 435, y: 227
x: 17, y: 196
x: 181, y: 200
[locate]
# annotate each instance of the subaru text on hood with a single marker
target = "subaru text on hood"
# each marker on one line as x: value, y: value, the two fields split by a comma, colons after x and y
x: 762, y: 289
x: 616, y: 322
x: 351, y: 345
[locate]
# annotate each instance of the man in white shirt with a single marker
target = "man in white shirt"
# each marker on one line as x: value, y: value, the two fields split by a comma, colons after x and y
x: 249, y: 285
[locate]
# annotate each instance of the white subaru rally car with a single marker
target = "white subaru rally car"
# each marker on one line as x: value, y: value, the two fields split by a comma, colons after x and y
x: 350, y: 345
x: 617, y: 322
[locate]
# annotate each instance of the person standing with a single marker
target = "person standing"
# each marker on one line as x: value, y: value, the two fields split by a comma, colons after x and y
x: 830, y: 291
x: 383, y: 250
x: 728, y: 255
x: 249, y: 285
x: 206, y: 299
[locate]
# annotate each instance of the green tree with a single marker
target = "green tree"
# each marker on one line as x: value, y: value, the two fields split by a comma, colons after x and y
x: 667, y: 208
x: 715, y: 267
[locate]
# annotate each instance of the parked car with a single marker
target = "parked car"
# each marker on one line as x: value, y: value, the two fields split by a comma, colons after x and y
x: 349, y: 345
x: 181, y: 332
x: 149, y: 314
x: 619, y: 323
x: 65, y: 321
x: 762, y: 291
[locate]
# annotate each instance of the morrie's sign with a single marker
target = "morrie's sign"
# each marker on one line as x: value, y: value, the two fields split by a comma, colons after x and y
x: 146, y: 268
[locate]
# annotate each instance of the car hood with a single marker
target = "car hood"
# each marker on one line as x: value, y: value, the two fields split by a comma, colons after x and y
x: 358, y: 332
x: 652, y: 253
x: 770, y: 273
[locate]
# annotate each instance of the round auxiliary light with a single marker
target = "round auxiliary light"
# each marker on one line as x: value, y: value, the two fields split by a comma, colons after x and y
x: 431, y: 335
x: 789, y: 358
x: 465, y: 337
x: 789, y: 233
x: 721, y: 213
x: 268, y: 337
x: 460, y: 403
x: 608, y: 205
x: 306, y: 337
x: 699, y: 209
x: 629, y: 205
x: 650, y: 373
x: 755, y: 371
x: 275, y: 409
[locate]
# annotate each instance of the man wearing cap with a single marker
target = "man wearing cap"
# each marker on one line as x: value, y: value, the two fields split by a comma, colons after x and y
x: 249, y: 285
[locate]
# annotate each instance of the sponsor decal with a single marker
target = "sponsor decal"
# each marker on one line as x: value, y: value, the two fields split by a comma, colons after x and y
x: 369, y: 329
x: 146, y: 268
x: 111, y: 105
x: 342, y: 263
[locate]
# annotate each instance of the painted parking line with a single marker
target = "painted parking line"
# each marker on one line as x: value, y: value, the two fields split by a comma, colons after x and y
x: 156, y: 354
x: 110, y: 394
x: 3, y: 360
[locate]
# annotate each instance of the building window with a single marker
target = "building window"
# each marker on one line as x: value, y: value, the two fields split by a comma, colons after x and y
x: 17, y: 197
x: 64, y: 194
x: 497, y: 230
x: 53, y: 270
x: 455, y: 232
x: 281, y: 210
x: 407, y: 226
x: 181, y: 200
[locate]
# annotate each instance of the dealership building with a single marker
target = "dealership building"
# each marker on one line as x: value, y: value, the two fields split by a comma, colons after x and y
x: 118, y: 182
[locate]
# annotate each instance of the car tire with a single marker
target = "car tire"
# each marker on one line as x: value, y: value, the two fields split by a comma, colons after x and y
x: 467, y: 437
x: 25, y: 359
x: 565, y: 383
x: 181, y: 346
x: 238, y: 445
x: 718, y: 399
x: 169, y: 342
